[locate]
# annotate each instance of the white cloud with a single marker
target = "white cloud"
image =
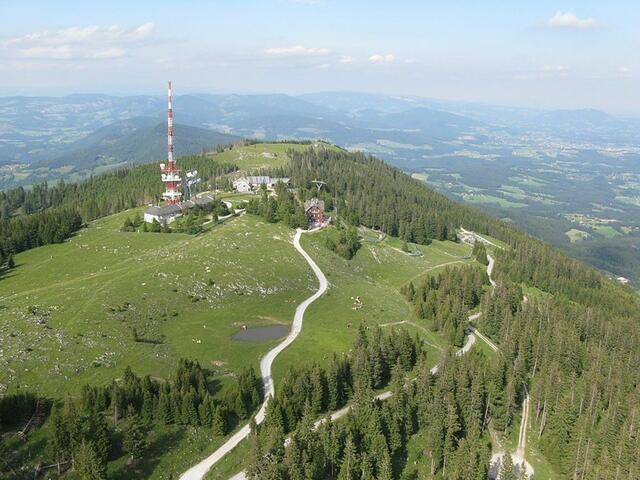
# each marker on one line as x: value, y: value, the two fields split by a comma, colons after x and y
x: 388, y: 58
x: 57, y: 53
x: 571, y: 21
x: 545, y: 72
x: 345, y: 59
x: 622, y: 69
x: 560, y: 69
x: 78, y: 42
x: 297, y: 51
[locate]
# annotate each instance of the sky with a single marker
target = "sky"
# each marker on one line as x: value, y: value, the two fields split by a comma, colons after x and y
x: 535, y: 53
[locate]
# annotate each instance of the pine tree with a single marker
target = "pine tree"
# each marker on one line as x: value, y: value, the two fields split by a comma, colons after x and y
x: 100, y: 438
x: 59, y: 444
x: 164, y: 413
x: 87, y: 464
x: 218, y: 423
x: 349, y: 466
x: 134, y: 441
x: 256, y: 455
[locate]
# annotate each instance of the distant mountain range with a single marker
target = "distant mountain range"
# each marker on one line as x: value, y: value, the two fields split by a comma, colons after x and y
x: 76, y: 130
x: 136, y: 140
x: 554, y: 173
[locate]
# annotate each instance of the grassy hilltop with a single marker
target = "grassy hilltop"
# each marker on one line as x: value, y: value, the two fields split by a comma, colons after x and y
x: 70, y: 309
x: 79, y: 312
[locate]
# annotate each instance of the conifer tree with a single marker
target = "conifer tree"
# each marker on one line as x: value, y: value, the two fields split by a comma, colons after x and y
x: 87, y: 463
x: 134, y: 441
x: 100, y: 437
x: 349, y: 466
x: 218, y: 423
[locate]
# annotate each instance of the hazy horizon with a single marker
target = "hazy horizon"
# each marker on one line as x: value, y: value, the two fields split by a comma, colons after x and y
x: 563, y: 56
x: 479, y: 103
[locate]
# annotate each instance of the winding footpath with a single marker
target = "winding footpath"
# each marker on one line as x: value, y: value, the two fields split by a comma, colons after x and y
x: 470, y: 341
x: 198, y: 471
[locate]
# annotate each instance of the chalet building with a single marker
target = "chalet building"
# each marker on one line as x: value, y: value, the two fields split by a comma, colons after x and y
x: 252, y: 183
x: 314, y: 209
x: 164, y: 214
x: 203, y: 200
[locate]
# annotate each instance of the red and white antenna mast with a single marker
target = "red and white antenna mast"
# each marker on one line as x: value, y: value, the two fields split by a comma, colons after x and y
x: 170, y: 171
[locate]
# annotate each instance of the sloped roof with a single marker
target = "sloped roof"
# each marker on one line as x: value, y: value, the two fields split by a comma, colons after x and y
x: 203, y: 200
x: 163, y: 210
x: 314, y: 202
x: 261, y: 180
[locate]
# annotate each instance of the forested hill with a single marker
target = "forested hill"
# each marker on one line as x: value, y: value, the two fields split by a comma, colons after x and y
x: 575, y: 347
x: 573, y: 342
x: 374, y: 194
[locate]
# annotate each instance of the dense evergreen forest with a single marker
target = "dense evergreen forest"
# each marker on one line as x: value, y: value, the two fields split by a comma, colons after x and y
x: 374, y: 361
x: 573, y: 345
x: 445, y: 300
x: 575, y: 348
x: 110, y: 421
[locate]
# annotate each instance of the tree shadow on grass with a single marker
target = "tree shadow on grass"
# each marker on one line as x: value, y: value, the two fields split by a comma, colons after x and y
x: 6, y: 272
x: 213, y: 383
x: 150, y: 341
x: 160, y: 443
x: 399, y: 462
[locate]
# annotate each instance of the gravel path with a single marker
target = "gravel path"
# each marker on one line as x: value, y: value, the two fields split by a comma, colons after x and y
x: 198, y: 471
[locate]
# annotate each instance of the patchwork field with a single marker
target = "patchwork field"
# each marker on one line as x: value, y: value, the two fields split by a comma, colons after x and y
x: 551, y: 191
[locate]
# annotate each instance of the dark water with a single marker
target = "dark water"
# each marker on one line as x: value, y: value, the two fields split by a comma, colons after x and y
x: 261, y: 334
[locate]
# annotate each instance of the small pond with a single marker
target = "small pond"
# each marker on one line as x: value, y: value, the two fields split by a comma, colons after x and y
x: 261, y: 334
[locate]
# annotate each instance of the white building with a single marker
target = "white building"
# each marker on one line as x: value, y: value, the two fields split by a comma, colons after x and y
x: 164, y: 215
x: 252, y: 183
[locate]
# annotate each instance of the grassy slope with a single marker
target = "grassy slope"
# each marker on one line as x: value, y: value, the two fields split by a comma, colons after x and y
x: 79, y: 282
x: 375, y: 275
x: 261, y: 155
x: 74, y: 287
x: 76, y: 284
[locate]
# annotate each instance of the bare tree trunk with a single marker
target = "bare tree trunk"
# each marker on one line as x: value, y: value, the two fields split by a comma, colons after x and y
x: 575, y: 471
x: 544, y: 419
x: 586, y: 459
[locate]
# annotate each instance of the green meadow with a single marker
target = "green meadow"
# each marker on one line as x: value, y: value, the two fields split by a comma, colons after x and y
x: 491, y: 199
x: 365, y: 290
x: 69, y: 310
x: 261, y: 155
